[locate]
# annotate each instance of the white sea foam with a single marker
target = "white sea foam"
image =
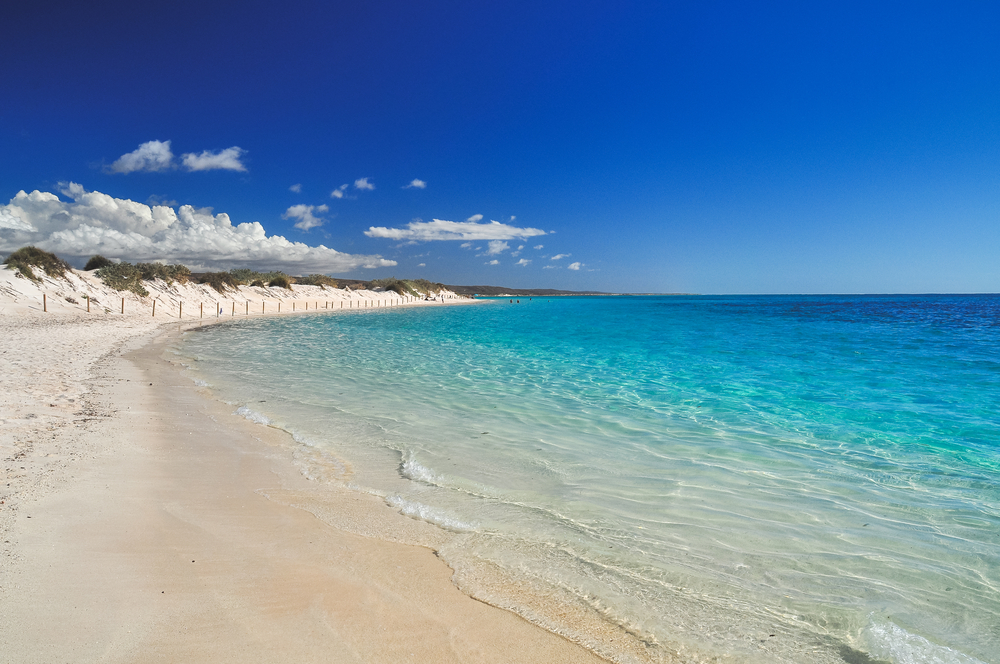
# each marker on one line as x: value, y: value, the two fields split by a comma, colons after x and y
x: 414, y: 470
x: 429, y: 514
x: 200, y: 383
x: 252, y: 416
x: 892, y: 642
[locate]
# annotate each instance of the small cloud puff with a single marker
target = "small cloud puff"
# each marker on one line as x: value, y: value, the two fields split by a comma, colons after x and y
x: 496, y: 247
x: 466, y: 245
x: 339, y: 191
x: 297, y: 188
x: 416, y: 184
x: 474, y: 218
x: 150, y: 157
x: 523, y: 262
x: 304, y: 213
x: 560, y: 256
x: 550, y: 267
x: 225, y: 160
x: 154, y: 156
x: 493, y: 262
x: 439, y: 229
x: 574, y: 266
x: 363, y: 184
x: 95, y: 223
x: 539, y: 246
x: 421, y: 264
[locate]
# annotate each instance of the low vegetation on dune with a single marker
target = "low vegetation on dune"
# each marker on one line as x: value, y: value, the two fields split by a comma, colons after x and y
x: 26, y: 258
x: 320, y: 280
x: 124, y: 276
x: 281, y: 281
x: 415, y: 287
x: 424, y: 287
x: 96, y: 262
x: 221, y: 282
x: 168, y: 273
x: 248, y: 277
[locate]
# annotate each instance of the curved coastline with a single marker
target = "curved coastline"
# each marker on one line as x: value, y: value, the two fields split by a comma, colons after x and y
x: 142, y: 521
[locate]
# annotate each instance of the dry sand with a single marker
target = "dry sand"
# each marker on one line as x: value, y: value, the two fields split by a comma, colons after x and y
x: 141, y: 521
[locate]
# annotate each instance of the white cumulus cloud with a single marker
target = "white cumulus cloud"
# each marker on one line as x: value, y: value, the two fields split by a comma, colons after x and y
x: 363, y: 183
x: 466, y: 245
x: 496, y: 247
x: 225, y: 160
x: 416, y: 184
x: 439, y: 229
x: 560, y: 256
x: 539, y: 246
x: 339, y: 191
x: 304, y: 213
x: 574, y: 266
x: 95, y: 223
x: 297, y: 188
x: 474, y: 218
x: 523, y: 262
x: 150, y: 156
x: 493, y: 262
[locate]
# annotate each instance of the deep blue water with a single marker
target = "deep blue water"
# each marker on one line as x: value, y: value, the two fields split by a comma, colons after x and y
x: 778, y: 478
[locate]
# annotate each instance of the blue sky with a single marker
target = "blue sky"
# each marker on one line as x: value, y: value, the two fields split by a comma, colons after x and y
x: 711, y: 147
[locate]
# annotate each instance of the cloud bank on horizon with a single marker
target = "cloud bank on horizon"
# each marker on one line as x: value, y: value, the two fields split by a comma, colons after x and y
x: 154, y: 156
x: 95, y: 223
x: 439, y: 229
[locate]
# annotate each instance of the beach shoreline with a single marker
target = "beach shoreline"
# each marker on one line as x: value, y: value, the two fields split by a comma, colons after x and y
x: 144, y: 521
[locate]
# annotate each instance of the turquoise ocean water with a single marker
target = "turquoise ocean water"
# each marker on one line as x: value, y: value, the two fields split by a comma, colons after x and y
x: 754, y: 478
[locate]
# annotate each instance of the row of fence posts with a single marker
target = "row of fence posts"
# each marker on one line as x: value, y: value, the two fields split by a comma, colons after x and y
x: 263, y: 304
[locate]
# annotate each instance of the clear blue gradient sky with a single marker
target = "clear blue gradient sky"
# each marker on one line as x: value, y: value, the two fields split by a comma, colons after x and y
x: 710, y: 147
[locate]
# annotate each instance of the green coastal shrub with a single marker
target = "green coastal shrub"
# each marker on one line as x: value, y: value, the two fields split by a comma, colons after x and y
x: 392, y: 284
x: 425, y: 286
x: 26, y: 258
x: 246, y: 277
x: 281, y: 281
x: 96, y: 262
x: 123, y: 277
x: 221, y: 282
x: 320, y: 280
x: 168, y: 273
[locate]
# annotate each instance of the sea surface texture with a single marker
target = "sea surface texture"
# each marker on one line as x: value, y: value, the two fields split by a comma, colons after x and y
x: 737, y: 479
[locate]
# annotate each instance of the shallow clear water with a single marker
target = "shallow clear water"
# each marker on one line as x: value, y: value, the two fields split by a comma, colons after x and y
x: 794, y: 478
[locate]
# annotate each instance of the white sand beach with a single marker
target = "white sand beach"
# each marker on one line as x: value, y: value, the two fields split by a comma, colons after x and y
x: 141, y: 521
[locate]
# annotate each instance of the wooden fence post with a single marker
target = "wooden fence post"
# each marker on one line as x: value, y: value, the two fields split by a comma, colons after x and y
x: 180, y: 312
x: 123, y: 305
x: 88, y: 304
x: 154, y: 307
x: 45, y: 303
x: 234, y: 309
x: 262, y: 306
